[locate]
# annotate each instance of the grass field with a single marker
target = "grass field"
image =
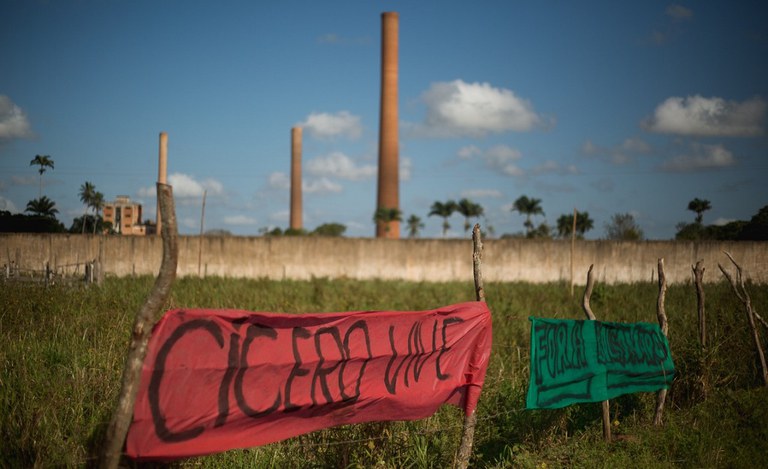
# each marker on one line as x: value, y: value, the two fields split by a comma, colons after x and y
x: 62, y: 350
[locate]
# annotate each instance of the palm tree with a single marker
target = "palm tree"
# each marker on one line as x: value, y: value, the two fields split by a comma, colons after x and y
x: 87, y: 191
x: 583, y: 224
x: 44, y: 161
x: 386, y: 215
x: 699, y: 206
x: 43, y: 207
x: 414, y: 226
x: 469, y: 209
x: 443, y: 210
x: 97, y: 203
x: 528, y: 207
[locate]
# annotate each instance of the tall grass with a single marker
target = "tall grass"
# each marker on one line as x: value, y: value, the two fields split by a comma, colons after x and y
x: 62, y: 351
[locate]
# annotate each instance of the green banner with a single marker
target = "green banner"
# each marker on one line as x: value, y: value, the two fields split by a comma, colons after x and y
x: 591, y: 361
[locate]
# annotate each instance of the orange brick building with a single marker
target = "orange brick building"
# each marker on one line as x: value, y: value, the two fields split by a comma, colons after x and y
x: 125, y: 216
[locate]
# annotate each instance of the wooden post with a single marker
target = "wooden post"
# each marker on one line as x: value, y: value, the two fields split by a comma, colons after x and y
x: 573, y: 244
x: 145, y: 318
x: 591, y: 316
x: 698, y: 277
x: 661, y: 314
x: 741, y: 293
x: 200, y: 239
x: 470, y: 421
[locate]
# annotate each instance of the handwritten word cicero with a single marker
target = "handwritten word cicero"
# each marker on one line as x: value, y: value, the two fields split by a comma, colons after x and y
x: 220, y: 379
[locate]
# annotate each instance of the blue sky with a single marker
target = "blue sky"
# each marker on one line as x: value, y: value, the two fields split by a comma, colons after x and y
x: 606, y: 107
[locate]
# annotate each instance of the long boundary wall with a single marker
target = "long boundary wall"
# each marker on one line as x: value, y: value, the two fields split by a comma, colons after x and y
x: 508, y: 260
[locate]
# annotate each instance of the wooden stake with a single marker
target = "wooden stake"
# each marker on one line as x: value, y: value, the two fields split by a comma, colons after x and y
x: 741, y: 293
x: 470, y: 421
x: 661, y: 396
x: 145, y: 318
x: 698, y: 276
x: 200, y: 239
x: 591, y: 316
x: 573, y: 244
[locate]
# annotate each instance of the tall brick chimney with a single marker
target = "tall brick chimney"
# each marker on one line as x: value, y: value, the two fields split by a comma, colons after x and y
x: 388, y: 182
x: 296, y: 201
x: 162, y: 172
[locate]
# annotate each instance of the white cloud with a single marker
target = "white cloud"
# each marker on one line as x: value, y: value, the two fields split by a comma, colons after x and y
x: 281, y: 216
x: 679, y: 12
x: 186, y: 187
x: 340, y: 166
x: 279, y: 180
x: 24, y: 180
x: 240, y: 220
x: 501, y: 158
x: 459, y: 109
x: 696, y: 115
x: 406, y: 165
x: 13, y: 121
x: 553, y: 167
x: 618, y: 154
x: 324, y: 125
x: 469, y: 152
x: 321, y: 186
x: 723, y: 221
x: 482, y: 194
x: 700, y: 157
x: 6, y: 204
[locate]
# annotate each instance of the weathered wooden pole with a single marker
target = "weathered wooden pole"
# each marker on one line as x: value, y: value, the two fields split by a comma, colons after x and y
x: 470, y: 421
x: 698, y: 277
x: 661, y: 314
x: 142, y: 327
x: 741, y: 293
x: 605, y: 405
x: 573, y: 245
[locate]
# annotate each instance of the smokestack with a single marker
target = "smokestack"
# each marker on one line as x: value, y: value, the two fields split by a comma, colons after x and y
x: 388, y: 183
x: 162, y: 172
x: 296, y: 205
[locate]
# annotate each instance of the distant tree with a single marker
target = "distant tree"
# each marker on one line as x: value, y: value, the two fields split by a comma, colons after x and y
x: 469, y: 209
x: 443, y: 210
x: 44, y: 162
x: 20, y: 223
x: 528, y: 207
x: 97, y: 203
x: 541, y: 231
x: 42, y: 207
x: 386, y: 215
x: 699, y: 206
x: 290, y: 232
x: 218, y: 232
x: 583, y: 224
x: 86, y: 193
x: 756, y: 229
x: 330, y: 229
x: 623, y: 227
x: 414, y: 226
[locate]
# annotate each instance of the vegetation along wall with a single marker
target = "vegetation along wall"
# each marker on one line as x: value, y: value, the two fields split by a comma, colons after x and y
x: 304, y: 257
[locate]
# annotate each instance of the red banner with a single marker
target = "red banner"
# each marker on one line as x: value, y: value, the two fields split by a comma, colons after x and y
x: 215, y: 380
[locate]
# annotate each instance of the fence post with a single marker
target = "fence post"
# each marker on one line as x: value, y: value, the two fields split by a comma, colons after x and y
x: 591, y: 316
x: 661, y: 314
x: 470, y: 421
x: 114, y: 438
x: 741, y: 293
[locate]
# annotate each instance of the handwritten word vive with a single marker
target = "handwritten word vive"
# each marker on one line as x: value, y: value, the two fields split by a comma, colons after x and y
x: 590, y: 361
x: 220, y: 379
